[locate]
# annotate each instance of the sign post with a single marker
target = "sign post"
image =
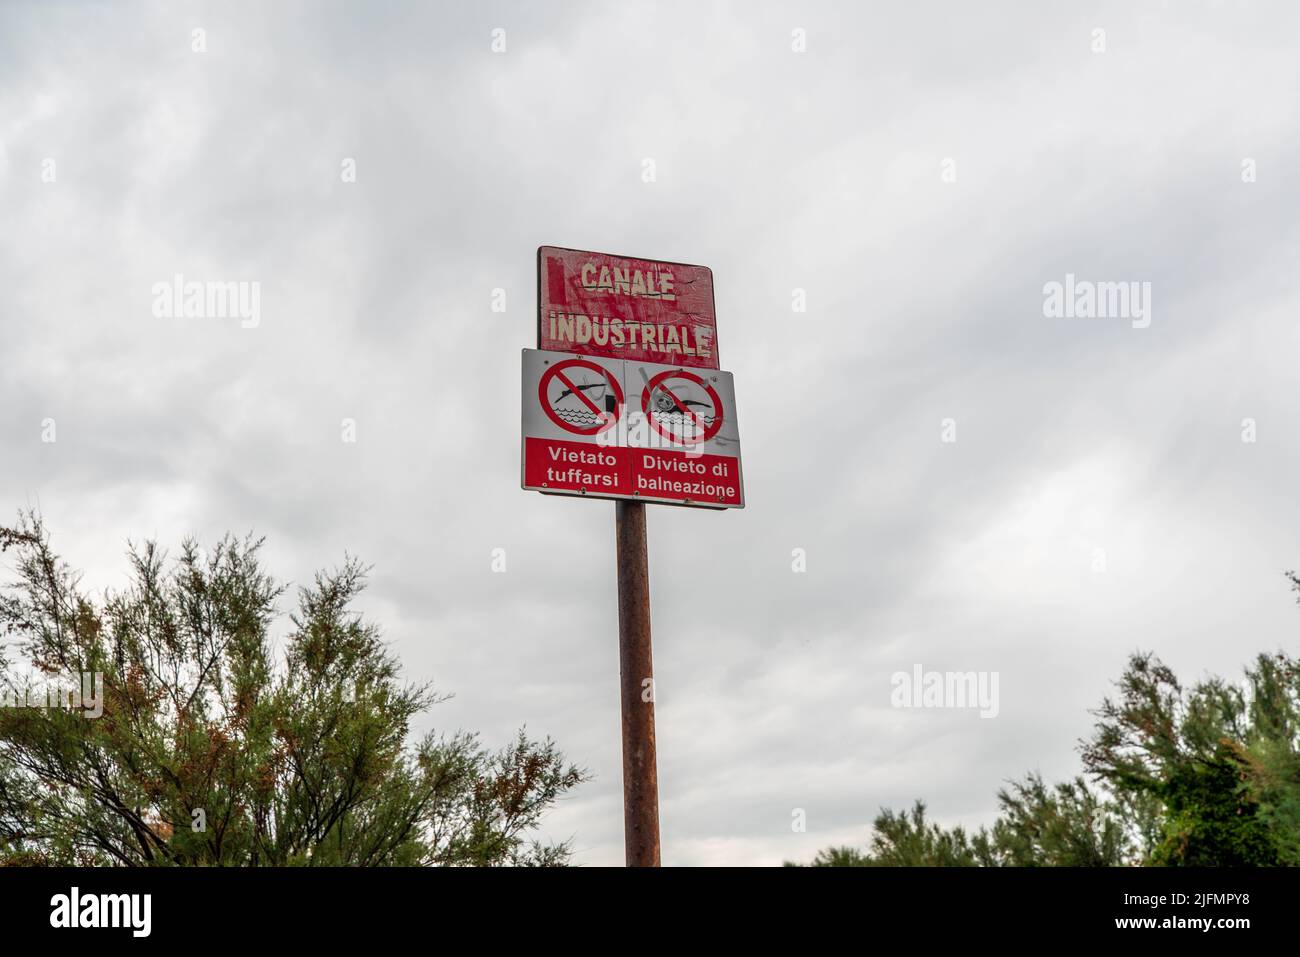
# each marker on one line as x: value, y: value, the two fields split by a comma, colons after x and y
x: 624, y: 398
x: 636, y: 683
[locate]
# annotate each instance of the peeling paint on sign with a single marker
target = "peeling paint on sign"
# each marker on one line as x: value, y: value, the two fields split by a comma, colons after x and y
x: 598, y: 304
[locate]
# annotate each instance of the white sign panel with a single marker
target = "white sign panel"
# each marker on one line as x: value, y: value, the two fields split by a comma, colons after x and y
x: 611, y: 428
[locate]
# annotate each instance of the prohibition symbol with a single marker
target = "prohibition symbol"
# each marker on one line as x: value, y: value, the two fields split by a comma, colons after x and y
x: 580, y: 401
x: 673, y: 411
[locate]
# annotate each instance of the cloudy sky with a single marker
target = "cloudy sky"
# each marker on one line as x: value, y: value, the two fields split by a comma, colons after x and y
x: 919, y: 171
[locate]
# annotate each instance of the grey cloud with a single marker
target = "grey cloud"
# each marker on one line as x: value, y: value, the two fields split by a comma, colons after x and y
x: 817, y: 171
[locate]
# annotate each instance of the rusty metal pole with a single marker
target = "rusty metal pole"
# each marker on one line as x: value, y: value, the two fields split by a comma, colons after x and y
x: 636, y: 681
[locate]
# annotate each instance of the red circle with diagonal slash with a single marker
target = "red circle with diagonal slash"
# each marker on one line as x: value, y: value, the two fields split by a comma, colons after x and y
x: 605, y: 420
x: 653, y: 384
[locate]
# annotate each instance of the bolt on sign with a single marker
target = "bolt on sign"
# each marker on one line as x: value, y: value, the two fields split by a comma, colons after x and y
x: 598, y: 304
x: 610, y: 428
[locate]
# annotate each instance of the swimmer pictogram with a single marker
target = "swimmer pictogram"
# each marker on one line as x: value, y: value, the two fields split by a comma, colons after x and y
x: 681, y: 406
x: 581, y: 397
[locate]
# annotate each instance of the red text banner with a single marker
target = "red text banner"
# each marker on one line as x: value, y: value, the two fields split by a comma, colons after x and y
x: 656, y: 475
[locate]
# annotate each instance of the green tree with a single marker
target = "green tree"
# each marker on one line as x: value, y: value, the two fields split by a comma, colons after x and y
x: 1065, y: 825
x: 1272, y: 757
x: 907, y: 839
x: 212, y: 748
x: 1189, y: 751
x: 1206, y: 775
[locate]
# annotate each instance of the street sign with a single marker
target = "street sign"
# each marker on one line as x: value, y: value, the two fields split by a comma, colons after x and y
x: 606, y: 428
x: 624, y: 399
x: 598, y: 304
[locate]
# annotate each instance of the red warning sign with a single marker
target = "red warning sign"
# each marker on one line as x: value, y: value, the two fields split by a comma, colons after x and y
x: 641, y: 310
x: 581, y: 397
x: 682, y: 407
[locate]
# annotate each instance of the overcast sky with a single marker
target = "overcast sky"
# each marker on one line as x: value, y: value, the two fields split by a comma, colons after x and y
x: 920, y: 171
